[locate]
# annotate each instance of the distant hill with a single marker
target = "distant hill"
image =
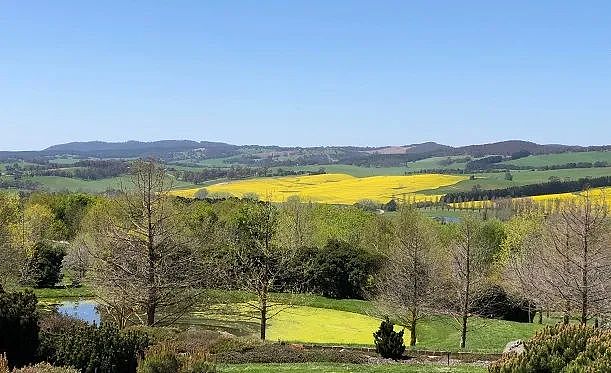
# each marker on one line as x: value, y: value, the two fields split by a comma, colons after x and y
x: 423, y: 148
x: 177, y: 150
x: 513, y: 146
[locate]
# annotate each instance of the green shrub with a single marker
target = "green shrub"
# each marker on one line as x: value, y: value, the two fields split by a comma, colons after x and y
x: 164, y: 362
x: 389, y: 344
x: 90, y: 348
x: 18, y: 327
x: 45, y: 368
x: 559, y: 348
x: 159, y: 359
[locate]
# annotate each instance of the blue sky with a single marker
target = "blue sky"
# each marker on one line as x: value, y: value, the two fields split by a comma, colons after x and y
x: 305, y: 72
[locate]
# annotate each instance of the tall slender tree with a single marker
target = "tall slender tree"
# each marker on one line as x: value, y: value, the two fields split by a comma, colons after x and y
x: 408, y: 283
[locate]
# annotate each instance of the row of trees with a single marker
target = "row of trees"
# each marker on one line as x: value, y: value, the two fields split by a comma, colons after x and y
x: 150, y: 256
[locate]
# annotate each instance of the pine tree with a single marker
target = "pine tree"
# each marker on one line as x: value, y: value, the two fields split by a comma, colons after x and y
x: 389, y: 344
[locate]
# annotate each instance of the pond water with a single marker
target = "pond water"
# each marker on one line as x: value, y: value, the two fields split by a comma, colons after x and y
x: 84, y: 310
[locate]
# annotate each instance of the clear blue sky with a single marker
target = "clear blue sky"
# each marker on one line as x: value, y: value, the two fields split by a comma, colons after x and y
x: 305, y: 72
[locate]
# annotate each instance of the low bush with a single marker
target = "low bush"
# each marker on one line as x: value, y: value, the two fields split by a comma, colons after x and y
x: 159, y: 359
x: 91, y: 348
x: 18, y: 327
x: 45, y: 368
x: 55, y: 322
x: 285, y: 354
x: 164, y: 362
x: 560, y: 348
x: 495, y: 303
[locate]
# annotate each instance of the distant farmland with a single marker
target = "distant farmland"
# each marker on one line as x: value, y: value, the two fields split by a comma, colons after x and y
x: 561, y: 159
x: 333, y: 188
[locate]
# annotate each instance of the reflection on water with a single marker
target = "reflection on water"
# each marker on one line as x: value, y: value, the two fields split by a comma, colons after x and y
x: 84, y: 310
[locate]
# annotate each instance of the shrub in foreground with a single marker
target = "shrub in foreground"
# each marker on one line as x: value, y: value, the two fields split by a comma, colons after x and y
x: 45, y: 368
x: 91, y: 348
x: 18, y: 327
x: 159, y: 359
x: 389, y: 344
x: 560, y: 348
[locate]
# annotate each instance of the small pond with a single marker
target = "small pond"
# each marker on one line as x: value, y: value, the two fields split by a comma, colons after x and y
x: 85, y: 310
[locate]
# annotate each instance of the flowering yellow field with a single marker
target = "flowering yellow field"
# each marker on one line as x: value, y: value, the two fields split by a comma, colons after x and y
x: 597, y: 194
x: 334, y: 188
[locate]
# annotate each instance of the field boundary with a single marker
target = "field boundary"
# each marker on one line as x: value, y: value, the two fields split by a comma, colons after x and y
x: 438, y: 355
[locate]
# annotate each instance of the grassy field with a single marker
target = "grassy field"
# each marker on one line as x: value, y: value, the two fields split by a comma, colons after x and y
x: 315, y: 319
x: 60, y: 184
x: 331, y: 188
x: 561, y: 158
x: 434, y: 163
x: 356, y: 171
x: 350, y: 368
x: 496, y: 180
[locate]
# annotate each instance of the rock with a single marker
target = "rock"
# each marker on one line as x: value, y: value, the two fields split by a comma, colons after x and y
x: 514, y: 347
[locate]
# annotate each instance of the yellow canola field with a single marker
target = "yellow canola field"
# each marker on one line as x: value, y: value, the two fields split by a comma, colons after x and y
x: 598, y: 194
x: 334, y: 188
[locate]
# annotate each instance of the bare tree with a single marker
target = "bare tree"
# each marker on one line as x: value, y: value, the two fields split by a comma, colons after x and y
x: 408, y: 283
x: 143, y: 266
x: 470, y: 267
x: 575, y: 265
x: 295, y: 223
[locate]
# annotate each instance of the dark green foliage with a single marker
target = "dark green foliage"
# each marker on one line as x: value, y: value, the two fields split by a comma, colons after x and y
x: 18, y: 327
x: 43, y: 269
x: 483, y: 163
x: 340, y: 270
x: 389, y: 344
x: 286, y: 354
x: 392, y: 205
x: 495, y: 303
x: 560, y: 348
x: 337, y: 270
x: 89, y: 347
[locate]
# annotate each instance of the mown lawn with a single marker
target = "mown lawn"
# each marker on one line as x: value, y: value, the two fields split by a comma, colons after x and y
x: 320, y: 320
x: 341, y: 368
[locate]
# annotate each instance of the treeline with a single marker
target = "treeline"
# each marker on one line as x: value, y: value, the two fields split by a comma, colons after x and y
x: 564, y: 166
x: 551, y: 187
x: 236, y: 173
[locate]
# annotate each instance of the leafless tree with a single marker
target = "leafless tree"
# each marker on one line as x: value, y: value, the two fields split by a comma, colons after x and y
x: 144, y: 268
x: 574, y: 269
x: 408, y: 283
x: 468, y: 276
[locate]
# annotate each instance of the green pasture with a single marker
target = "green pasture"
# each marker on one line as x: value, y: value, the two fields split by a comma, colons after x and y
x: 496, y: 180
x: 60, y: 184
x: 356, y: 171
x: 561, y: 159
x: 434, y: 163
